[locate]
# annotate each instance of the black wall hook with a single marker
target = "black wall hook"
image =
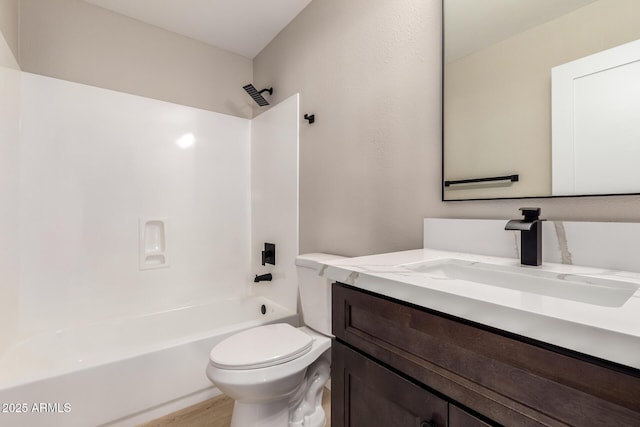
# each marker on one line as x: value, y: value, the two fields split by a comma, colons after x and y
x: 311, y: 118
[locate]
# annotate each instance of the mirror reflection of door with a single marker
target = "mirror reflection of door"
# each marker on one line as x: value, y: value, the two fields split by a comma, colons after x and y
x: 596, y: 116
x: 497, y: 88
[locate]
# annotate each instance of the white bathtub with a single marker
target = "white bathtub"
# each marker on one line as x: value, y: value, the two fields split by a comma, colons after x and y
x: 124, y: 371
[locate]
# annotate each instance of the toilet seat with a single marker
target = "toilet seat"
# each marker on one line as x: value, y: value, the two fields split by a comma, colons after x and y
x: 261, y: 347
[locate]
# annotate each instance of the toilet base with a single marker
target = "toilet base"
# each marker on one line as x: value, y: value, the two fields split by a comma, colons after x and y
x: 302, y: 409
x: 269, y: 414
x: 272, y: 414
x: 306, y: 408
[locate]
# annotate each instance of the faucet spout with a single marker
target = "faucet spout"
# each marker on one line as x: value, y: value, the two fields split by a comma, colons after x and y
x: 263, y: 278
x: 530, y: 235
x: 519, y: 225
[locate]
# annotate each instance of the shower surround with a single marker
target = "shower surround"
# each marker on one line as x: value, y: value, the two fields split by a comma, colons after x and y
x: 92, y: 162
x: 9, y: 147
x: 83, y: 167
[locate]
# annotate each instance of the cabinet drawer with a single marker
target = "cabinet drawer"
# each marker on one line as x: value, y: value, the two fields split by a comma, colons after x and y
x: 508, y: 379
x: 365, y: 394
x: 460, y: 418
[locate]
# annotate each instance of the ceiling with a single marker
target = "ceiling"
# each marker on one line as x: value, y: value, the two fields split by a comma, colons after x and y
x: 241, y: 26
x: 471, y: 25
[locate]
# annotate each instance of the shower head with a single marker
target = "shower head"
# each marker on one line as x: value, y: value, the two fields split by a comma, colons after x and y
x: 257, y: 96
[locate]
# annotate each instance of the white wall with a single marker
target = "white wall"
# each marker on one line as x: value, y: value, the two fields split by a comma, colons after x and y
x: 92, y: 162
x: 9, y: 173
x: 274, y: 199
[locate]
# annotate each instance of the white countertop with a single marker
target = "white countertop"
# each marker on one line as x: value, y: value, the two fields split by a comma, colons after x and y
x: 610, y: 333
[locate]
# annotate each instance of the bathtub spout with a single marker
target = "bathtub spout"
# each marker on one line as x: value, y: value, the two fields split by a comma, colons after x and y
x: 263, y: 278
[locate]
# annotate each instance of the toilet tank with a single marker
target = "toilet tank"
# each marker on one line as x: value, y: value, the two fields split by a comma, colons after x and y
x: 315, y: 291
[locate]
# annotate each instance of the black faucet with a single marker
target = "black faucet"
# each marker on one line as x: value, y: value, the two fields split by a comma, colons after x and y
x: 530, y: 235
x: 263, y: 278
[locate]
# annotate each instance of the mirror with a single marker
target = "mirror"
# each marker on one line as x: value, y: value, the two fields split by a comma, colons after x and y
x: 499, y: 125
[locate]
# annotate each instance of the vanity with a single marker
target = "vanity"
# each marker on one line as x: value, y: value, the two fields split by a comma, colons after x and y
x: 461, y: 334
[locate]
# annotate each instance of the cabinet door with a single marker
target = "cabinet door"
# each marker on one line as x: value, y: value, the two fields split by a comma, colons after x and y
x: 366, y: 394
x: 461, y: 418
x: 511, y: 381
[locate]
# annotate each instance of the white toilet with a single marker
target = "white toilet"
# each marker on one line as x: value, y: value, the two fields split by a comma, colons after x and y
x: 276, y: 373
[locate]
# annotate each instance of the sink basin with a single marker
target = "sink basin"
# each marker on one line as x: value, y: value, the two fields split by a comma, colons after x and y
x: 574, y: 287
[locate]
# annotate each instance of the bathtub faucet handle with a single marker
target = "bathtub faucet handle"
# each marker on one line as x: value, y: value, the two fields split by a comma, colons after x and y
x: 269, y: 254
x: 263, y: 278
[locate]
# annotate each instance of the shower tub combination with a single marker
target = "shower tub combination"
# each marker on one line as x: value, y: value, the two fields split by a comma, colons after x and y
x: 125, y: 371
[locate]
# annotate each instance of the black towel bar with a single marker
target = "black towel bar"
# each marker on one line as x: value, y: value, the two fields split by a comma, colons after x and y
x: 512, y: 178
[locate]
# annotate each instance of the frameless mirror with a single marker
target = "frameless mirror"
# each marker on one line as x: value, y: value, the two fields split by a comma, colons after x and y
x: 541, y: 98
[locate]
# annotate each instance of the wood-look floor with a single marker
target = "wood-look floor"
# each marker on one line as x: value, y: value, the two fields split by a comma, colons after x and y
x: 215, y: 412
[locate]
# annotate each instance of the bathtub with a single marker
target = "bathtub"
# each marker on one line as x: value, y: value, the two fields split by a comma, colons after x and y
x: 125, y: 371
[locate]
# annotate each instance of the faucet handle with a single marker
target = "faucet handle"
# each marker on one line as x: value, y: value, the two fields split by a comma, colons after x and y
x: 531, y: 214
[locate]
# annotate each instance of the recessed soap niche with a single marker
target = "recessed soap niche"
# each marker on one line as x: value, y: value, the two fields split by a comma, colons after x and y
x: 152, y: 243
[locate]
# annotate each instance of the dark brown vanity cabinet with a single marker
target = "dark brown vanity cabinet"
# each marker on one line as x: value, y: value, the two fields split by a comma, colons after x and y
x: 376, y: 396
x: 395, y: 364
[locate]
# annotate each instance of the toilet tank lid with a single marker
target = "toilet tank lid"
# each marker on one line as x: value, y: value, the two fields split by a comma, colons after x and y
x: 313, y: 260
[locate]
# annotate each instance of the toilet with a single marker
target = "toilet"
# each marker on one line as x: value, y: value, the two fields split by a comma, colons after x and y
x: 276, y: 373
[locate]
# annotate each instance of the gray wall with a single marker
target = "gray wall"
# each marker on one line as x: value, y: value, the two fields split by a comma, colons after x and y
x: 370, y: 166
x: 370, y: 72
x: 9, y: 23
x: 80, y: 42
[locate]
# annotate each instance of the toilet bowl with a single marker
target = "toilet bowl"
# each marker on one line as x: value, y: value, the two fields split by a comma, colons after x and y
x: 276, y: 373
